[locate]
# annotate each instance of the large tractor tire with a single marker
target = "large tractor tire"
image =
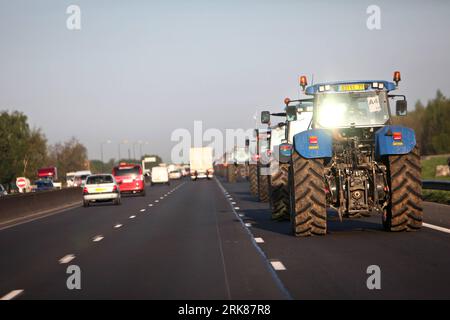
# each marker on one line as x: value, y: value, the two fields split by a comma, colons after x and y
x: 253, y: 179
x: 242, y: 170
x: 263, y: 186
x: 404, y: 212
x: 279, y: 193
x: 231, y: 173
x: 308, y: 199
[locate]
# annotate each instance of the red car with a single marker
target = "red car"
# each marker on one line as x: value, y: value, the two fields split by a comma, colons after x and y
x: 130, y: 178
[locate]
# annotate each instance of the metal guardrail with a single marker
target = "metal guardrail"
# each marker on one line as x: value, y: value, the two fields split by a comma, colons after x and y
x: 436, y: 185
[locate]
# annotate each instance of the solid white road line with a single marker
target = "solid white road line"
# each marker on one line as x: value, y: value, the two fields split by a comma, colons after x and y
x: 66, y: 259
x: 278, y: 265
x: 98, y: 238
x: 259, y: 240
x: 437, y: 228
x: 13, y: 294
x: 117, y: 226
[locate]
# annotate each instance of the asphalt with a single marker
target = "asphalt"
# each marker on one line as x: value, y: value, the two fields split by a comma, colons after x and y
x: 413, y: 265
x: 192, y: 243
x: 188, y: 245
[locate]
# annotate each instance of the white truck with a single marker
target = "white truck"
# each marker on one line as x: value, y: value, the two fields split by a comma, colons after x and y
x: 147, y: 164
x: 201, y: 163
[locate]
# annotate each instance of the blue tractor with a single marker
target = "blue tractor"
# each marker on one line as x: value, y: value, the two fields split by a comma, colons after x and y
x: 354, y: 159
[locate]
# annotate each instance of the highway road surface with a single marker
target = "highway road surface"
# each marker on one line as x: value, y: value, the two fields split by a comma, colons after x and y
x: 213, y: 240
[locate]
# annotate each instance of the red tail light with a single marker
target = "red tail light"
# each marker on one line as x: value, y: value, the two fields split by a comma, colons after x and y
x: 397, y: 136
x: 313, y: 140
x: 115, y: 189
x: 85, y: 190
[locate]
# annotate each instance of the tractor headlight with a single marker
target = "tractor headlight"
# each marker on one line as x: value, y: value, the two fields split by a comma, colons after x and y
x: 331, y: 114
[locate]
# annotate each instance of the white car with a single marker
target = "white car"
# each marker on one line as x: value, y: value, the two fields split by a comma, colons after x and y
x: 175, y: 175
x: 101, y: 188
x: 3, y: 191
x: 160, y: 175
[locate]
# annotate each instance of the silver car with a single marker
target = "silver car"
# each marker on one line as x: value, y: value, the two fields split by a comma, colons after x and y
x: 101, y: 188
x: 3, y: 191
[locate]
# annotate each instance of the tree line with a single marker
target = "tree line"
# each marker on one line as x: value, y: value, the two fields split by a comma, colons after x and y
x: 431, y: 124
x: 23, y: 150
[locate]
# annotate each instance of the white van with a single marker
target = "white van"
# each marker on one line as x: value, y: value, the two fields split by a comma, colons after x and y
x: 80, y: 177
x: 160, y: 175
x: 70, y: 176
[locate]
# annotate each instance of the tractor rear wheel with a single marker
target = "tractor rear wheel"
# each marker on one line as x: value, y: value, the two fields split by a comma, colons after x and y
x: 263, y: 186
x: 404, y: 212
x: 308, y: 199
x: 231, y: 173
x: 253, y: 179
x: 279, y: 193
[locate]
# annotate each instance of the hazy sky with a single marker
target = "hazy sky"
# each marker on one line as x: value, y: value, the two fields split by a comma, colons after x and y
x: 137, y: 70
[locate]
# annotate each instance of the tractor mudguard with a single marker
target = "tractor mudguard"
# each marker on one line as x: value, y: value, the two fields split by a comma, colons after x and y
x: 391, y: 140
x: 315, y: 143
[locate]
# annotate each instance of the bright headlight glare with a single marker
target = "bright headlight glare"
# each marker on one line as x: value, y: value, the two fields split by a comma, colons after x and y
x: 331, y: 114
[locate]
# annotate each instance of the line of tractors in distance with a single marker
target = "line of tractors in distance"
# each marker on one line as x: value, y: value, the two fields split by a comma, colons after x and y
x: 335, y: 148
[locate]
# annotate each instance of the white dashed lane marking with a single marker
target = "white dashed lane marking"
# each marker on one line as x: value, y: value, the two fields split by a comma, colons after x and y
x: 248, y: 225
x: 237, y: 208
x: 278, y: 265
x: 13, y: 294
x: 142, y: 210
x: 132, y: 217
x: 66, y: 259
x: 117, y: 226
x: 98, y: 238
x: 150, y: 205
x: 259, y: 240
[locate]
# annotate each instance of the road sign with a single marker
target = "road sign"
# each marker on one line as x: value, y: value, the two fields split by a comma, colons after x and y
x: 21, y: 182
x: 150, y: 159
